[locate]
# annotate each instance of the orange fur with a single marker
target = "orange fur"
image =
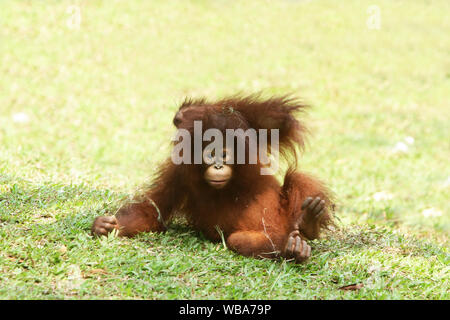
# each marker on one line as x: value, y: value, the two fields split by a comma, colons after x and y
x: 254, y: 212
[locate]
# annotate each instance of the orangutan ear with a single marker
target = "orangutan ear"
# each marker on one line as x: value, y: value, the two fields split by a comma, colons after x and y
x: 185, y: 117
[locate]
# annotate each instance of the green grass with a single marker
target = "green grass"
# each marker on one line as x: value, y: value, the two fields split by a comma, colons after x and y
x: 99, y: 102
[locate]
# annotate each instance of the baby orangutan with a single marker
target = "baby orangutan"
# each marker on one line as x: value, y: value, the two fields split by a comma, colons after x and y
x: 257, y: 216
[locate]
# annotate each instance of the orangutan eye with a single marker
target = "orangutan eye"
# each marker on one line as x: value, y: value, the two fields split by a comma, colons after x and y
x: 225, y: 155
x: 208, y: 156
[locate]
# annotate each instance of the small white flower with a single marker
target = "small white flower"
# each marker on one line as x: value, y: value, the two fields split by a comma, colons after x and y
x: 431, y: 212
x: 409, y: 140
x: 21, y: 117
x: 400, y: 147
x: 382, y: 195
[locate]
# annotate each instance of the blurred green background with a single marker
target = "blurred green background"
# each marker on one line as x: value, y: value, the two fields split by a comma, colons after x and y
x: 88, y: 90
